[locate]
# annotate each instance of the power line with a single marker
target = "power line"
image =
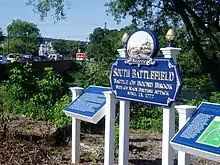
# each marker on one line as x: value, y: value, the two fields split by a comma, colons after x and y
x: 67, y: 25
x: 76, y: 36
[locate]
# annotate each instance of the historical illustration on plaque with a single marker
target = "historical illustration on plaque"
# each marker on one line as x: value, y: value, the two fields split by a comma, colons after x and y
x: 140, y: 45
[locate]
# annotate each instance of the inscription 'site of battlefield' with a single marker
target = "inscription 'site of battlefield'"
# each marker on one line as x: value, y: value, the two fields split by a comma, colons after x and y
x: 142, y: 78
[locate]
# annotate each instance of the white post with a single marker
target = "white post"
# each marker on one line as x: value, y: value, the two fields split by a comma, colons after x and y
x: 168, y: 133
x: 185, y: 112
x: 170, y: 52
x: 124, y: 121
x: 168, y: 117
x: 124, y: 132
x: 75, y: 129
x: 109, y: 127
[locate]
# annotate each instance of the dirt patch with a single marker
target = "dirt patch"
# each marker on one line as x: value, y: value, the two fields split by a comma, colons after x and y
x: 24, y: 141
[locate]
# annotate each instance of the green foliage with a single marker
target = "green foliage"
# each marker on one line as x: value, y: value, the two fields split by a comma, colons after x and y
x: 116, y: 137
x: 92, y: 74
x: 215, y: 97
x: 43, y: 7
x: 145, y: 116
x: 23, y: 36
x: 68, y: 48
x: 49, y: 88
x: 98, y: 35
x: 39, y: 96
x: 104, y: 44
x: 60, y: 118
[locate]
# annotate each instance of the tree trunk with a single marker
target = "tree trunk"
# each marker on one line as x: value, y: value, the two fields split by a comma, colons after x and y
x: 214, y: 70
x: 210, y: 66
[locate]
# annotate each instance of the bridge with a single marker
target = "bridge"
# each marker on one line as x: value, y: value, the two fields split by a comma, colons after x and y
x: 59, y: 67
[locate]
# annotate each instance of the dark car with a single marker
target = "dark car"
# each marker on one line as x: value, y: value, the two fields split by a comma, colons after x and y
x: 37, y: 58
x: 23, y: 59
x: 43, y: 58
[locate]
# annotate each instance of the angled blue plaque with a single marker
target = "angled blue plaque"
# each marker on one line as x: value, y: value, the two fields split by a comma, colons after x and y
x: 157, y: 84
x: 201, y: 134
x: 88, y: 106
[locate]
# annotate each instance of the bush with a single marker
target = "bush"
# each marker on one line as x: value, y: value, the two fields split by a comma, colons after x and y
x: 39, y: 96
x: 60, y: 119
x: 116, y: 137
x: 215, y: 97
x: 145, y: 116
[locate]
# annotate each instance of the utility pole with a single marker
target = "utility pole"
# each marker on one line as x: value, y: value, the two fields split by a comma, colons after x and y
x: 26, y: 49
x: 105, y: 27
x: 8, y: 51
x: 87, y: 49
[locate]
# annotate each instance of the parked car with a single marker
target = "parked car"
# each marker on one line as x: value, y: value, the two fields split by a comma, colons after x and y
x: 43, y: 58
x: 36, y: 58
x: 23, y: 59
x: 11, y: 57
x: 52, y: 57
x: 3, y: 59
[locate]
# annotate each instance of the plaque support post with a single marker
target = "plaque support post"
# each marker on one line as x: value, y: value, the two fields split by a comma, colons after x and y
x: 124, y: 122
x: 75, y: 128
x: 124, y: 132
x: 185, y: 112
x: 168, y: 117
x: 109, y: 127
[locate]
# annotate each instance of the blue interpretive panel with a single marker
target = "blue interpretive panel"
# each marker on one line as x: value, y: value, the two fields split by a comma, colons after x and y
x: 87, y: 105
x: 201, y: 134
x: 157, y: 84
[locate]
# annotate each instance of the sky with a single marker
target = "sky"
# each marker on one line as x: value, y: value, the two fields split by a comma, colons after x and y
x: 81, y: 19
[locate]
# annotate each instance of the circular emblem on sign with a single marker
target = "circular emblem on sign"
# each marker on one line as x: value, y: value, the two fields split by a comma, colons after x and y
x: 142, y: 44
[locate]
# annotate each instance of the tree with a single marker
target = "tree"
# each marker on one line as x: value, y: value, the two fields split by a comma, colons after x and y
x: 202, y: 25
x: 1, y: 39
x: 104, y: 44
x: 1, y: 35
x: 200, y: 17
x: 98, y: 35
x: 43, y: 7
x: 24, y: 37
x: 67, y: 48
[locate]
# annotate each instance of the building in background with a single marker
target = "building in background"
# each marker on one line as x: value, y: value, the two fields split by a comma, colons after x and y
x: 46, y: 48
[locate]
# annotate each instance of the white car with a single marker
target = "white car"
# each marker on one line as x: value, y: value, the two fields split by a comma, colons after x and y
x: 54, y: 56
x: 3, y: 59
x: 11, y: 57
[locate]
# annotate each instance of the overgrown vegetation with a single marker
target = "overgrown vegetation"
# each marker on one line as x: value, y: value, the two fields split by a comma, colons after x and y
x: 41, y: 96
